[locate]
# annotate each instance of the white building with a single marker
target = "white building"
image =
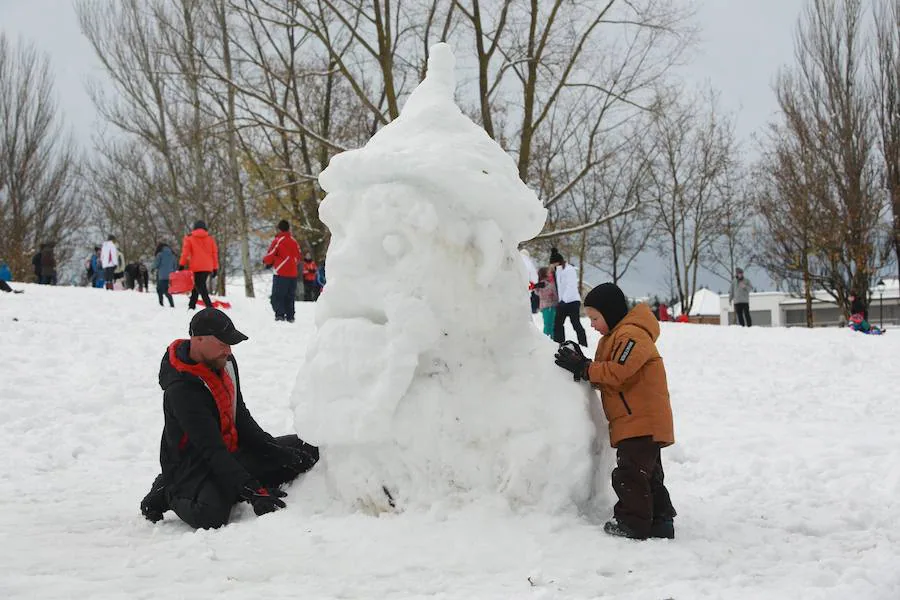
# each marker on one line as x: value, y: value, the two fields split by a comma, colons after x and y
x: 778, y: 309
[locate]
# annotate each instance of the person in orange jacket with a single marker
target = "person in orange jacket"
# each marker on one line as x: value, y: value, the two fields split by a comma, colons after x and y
x: 200, y: 254
x: 630, y: 374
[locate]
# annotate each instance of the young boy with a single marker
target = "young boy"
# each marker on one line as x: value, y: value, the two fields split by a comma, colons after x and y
x: 631, y: 377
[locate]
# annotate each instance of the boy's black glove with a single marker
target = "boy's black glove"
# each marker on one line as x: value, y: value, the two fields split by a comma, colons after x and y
x: 572, y: 359
x: 215, y: 272
x: 263, y: 500
x: 181, y: 267
x: 541, y: 284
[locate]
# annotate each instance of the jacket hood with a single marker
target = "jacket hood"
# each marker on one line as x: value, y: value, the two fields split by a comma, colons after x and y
x: 200, y: 233
x: 168, y: 373
x: 641, y: 316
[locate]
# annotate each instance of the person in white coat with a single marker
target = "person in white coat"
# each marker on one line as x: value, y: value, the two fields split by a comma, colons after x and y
x: 569, y: 299
x: 109, y: 260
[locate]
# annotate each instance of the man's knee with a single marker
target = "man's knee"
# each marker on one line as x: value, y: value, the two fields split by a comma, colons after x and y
x: 200, y: 515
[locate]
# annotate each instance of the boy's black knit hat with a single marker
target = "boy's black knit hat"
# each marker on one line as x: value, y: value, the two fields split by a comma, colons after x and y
x: 610, y: 300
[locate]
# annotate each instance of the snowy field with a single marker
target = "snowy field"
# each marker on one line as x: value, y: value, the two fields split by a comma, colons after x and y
x: 786, y: 476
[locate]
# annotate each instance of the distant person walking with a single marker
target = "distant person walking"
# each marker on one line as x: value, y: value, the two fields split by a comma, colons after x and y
x: 283, y: 257
x: 164, y: 264
x: 36, y: 264
x: 109, y: 260
x: 48, y: 264
x: 569, y: 299
x: 310, y: 286
x: 739, y: 294
x: 200, y: 255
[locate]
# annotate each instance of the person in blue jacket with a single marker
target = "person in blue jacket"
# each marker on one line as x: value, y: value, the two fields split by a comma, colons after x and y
x: 164, y: 264
x: 6, y: 275
x: 96, y: 269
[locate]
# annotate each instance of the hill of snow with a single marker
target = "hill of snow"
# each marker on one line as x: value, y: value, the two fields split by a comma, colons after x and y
x: 785, y: 476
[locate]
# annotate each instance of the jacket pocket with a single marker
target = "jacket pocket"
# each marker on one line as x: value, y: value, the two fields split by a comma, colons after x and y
x: 627, y: 408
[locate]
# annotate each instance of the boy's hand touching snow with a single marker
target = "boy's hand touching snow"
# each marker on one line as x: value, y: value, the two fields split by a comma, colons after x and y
x: 571, y: 358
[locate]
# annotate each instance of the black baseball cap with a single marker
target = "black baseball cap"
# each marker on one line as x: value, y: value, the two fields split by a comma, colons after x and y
x: 212, y: 321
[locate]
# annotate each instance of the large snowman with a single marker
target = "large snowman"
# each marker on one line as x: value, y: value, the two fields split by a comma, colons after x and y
x: 425, y: 380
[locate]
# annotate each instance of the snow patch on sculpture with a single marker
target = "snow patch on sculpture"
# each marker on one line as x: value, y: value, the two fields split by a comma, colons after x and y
x: 426, y: 379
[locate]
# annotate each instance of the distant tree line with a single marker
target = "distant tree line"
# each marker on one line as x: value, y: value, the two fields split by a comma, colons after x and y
x: 227, y: 110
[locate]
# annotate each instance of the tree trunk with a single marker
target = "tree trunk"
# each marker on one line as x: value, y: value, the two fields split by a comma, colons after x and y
x: 807, y: 290
x: 237, y: 187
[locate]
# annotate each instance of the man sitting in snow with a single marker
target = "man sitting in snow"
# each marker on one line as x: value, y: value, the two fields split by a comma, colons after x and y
x: 213, y: 454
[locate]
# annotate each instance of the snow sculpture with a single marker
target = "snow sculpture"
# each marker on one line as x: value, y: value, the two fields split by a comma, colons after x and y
x: 425, y: 379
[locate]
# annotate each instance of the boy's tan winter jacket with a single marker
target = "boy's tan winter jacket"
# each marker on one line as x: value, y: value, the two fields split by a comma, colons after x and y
x: 631, y: 377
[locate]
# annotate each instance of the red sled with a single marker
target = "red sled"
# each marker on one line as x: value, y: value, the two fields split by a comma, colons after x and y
x: 181, y: 282
x: 215, y: 303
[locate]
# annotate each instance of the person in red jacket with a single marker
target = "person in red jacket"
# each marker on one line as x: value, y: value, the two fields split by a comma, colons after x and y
x: 283, y: 257
x: 199, y: 254
x: 310, y: 285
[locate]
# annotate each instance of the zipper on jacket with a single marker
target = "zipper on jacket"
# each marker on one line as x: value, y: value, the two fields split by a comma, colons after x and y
x: 622, y: 396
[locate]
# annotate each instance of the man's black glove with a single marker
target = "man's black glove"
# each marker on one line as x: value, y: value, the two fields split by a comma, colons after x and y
x: 263, y: 500
x: 572, y: 359
x: 541, y: 284
x: 215, y: 272
x: 300, y: 458
x: 181, y: 267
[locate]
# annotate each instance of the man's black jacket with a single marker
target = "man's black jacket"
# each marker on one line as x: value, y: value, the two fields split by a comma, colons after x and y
x: 190, y: 409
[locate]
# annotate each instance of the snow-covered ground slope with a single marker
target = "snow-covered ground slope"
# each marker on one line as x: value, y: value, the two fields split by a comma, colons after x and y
x: 786, y: 476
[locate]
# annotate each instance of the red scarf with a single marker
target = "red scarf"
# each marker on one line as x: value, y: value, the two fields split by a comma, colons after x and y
x: 222, y: 388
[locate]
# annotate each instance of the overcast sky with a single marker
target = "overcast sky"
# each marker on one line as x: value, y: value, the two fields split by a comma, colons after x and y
x: 743, y: 43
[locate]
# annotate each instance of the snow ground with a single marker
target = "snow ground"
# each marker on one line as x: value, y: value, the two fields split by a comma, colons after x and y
x: 786, y: 476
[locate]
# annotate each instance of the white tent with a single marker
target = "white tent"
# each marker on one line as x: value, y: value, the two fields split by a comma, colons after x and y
x: 706, y: 304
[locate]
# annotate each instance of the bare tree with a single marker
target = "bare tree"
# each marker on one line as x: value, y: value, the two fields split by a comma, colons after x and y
x: 293, y: 112
x: 828, y: 106
x: 695, y: 150
x: 733, y: 245
x: 622, y: 183
x: 790, y: 189
x: 554, y: 78
x: 38, y: 168
x: 152, y: 51
x: 219, y: 12
x: 885, y: 69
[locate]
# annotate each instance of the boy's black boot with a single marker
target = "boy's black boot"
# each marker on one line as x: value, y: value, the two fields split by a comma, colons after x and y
x: 663, y: 528
x: 619, y: 529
